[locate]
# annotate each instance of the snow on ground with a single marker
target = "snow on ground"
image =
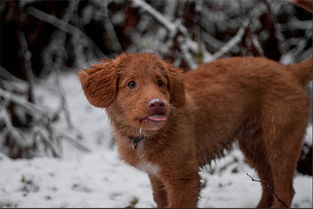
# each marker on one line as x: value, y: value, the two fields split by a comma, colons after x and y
x: 101, y: 179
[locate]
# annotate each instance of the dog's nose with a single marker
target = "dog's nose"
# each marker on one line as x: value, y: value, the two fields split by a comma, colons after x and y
x: 157, y: 105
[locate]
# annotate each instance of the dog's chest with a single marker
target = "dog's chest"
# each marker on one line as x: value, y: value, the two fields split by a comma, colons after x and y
x: 148, y: 167
x: 144, y: 164
x: 137, y: 157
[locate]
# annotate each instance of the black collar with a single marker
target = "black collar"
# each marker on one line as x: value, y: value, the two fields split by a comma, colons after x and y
x: 135, y: 140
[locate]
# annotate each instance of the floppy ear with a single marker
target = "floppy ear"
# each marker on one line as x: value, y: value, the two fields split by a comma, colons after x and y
x: 176, y: 85
x: 100, y: 83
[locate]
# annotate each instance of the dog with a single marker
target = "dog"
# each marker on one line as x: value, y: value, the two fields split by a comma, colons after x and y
x: 169, y: 123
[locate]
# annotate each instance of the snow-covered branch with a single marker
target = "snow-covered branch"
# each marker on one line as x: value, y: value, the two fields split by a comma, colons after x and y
x: 186, y: 44
x: 32, y: 108
x: 231, y: 43
x: 157, y: 15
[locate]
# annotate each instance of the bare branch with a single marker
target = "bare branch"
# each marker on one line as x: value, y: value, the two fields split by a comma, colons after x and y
x: 27, y: 61
x: 270, y: 188
x: 257, y: 44
x: 46, y: 141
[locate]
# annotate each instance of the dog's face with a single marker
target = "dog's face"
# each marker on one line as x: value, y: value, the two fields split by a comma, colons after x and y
x: 140, y: 89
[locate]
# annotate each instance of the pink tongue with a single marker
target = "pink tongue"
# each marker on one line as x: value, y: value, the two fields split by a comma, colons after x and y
x: 157, y: 117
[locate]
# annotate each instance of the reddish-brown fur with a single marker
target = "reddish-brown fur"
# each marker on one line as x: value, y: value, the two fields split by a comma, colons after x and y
x: 259, y: 102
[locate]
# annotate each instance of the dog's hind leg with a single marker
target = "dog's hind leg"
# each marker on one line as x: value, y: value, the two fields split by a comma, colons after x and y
x: 283, y: 157
x: 253, y: 148
x: 283, y: 134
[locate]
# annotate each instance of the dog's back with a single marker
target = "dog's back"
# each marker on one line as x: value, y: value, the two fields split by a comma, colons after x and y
x: 228, y: 95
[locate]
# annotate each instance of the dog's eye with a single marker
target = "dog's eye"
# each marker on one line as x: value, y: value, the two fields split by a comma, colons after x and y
x: 160, y: 83
x: 131, y: 84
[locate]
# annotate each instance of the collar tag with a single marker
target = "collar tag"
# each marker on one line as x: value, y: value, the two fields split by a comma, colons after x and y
x: 135, y: 140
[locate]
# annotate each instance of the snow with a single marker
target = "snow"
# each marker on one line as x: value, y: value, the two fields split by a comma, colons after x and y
x: 101, y: 179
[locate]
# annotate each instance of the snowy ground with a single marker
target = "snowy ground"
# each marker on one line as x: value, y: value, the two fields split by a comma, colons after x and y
x: 100, y: 179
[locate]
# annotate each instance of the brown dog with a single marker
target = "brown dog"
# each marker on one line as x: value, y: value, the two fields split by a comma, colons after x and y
x: 169, y: 123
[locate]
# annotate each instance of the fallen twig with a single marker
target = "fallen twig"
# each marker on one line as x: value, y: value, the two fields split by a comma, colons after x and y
x: 74, y: 142
x: 270, y: 188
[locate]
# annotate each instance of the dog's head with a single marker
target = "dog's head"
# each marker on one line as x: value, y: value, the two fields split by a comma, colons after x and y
x: 140, y: 89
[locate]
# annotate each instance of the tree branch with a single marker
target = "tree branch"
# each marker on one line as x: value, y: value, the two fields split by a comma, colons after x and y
x: 27, y: 64
x: 231, y: 43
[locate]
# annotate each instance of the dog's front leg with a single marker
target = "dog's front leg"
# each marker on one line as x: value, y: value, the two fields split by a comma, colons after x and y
x: 159, y: 193
x: 183, y: 190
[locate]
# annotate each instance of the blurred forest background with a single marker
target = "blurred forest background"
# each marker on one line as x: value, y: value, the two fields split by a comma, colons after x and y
x: 43, y: 39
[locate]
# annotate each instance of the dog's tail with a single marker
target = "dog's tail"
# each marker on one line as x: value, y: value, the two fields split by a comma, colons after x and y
x: 302, y: 71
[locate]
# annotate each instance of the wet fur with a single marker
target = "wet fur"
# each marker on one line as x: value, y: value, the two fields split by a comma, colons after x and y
x: 258, y: 102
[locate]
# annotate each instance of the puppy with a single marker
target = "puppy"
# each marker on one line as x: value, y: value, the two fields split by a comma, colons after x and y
x: 169, y: 123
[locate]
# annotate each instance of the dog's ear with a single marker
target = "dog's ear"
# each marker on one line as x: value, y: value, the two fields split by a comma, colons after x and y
x: 100, y: 83
x: 176, y: 85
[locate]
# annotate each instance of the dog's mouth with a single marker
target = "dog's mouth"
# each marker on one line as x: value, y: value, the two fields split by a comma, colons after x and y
x: 157, y: 117
x: 154, y: 120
